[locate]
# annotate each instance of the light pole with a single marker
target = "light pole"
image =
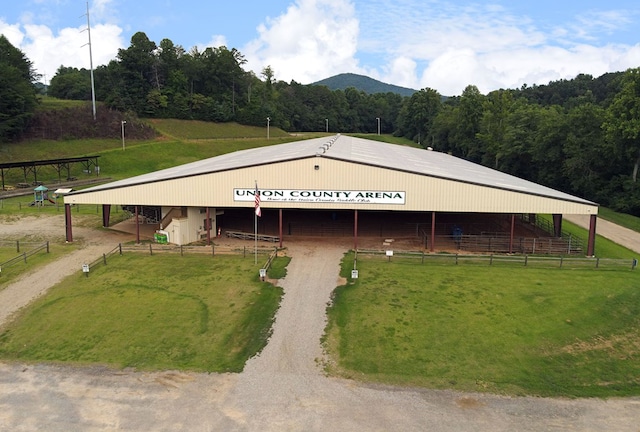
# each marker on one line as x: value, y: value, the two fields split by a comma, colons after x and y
x: 326, y: 125
x: 268, y: 121
x: 122, y: 123
x: 378, y: 119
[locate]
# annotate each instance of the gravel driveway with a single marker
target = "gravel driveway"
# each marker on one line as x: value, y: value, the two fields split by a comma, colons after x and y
x: 282, y: 389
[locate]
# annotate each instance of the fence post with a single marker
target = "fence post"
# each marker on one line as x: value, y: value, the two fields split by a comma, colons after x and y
x: 181, y: 251
x: 213, y: 249
x: 491, y: 259
x: 104, y: 258
x: 244, y: 251
x: 456, y: 259
x: 17, y: 246
x: 150, y: 249
x: 422, y: 257
x: 526, y: 259
x: 47, y: 246
x: 120, y: 248
x: 561, y: 259
x: 25, y: 257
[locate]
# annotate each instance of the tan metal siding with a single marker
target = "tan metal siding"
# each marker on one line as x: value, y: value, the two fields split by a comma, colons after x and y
x: 423, y: 193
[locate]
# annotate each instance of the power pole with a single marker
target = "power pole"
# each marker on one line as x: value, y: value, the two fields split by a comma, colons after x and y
x: 93, y: 87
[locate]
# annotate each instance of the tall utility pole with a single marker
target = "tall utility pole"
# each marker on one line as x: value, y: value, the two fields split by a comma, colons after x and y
x: 93, y: 86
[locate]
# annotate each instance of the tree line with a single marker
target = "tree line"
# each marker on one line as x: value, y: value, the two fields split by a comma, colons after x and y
x: 580, y: 136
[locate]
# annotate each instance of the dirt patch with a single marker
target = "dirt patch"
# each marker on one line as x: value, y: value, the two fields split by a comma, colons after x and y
x: 469, y: 403
x: 629, y: 343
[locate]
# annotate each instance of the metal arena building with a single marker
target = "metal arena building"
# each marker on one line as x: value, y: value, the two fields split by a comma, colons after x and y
x: 333, y: 185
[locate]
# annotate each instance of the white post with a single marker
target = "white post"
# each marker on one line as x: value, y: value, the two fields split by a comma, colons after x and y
x: 268, y: 121
x: 122, y: 123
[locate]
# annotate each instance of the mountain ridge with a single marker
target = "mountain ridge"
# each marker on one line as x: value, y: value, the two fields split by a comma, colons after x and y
x: 364, y: 83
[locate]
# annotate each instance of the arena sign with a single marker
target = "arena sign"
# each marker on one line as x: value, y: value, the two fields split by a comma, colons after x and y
x: 321, y: 196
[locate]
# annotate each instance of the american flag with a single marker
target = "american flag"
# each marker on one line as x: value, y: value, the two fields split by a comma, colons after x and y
x: 257, y: 202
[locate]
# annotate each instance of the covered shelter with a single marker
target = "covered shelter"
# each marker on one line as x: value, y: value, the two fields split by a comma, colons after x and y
x: 337, y: 177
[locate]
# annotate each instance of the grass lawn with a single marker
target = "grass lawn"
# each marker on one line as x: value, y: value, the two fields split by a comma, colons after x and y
x: 150, y: 312
x: 509, y: 330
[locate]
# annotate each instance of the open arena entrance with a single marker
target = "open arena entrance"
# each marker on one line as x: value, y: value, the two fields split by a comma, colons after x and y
x: 430, y: 231
x: 452, y: 232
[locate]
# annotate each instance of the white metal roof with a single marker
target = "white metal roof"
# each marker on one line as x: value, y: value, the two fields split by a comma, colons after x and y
x: 355, y: 150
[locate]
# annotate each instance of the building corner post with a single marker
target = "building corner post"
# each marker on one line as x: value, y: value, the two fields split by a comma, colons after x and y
x: 67, y: 223
x: 106, y: 215
x: 591, y: 245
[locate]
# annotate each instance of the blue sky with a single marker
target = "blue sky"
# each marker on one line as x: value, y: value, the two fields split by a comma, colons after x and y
x: 445, y: 45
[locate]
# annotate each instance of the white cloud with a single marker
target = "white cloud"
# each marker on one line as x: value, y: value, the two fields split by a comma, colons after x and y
x: 215, y: 42
x: 401, y: 72
x: 48, y: 51
x: 312, y: 40
x: 12, y: 32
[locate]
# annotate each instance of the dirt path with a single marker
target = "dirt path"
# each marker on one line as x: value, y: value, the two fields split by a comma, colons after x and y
x: 32, y: 285
x: 282, y: 389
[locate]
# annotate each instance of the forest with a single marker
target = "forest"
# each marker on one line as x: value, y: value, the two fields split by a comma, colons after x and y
x: 580, y: 135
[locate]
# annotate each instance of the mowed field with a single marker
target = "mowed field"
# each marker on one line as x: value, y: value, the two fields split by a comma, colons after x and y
x: 502, y: 329
x: 194, y: 312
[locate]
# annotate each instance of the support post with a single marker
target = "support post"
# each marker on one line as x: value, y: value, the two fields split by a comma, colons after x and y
x: 591, y: 245
x: 208, y: 226
x: 106, y: 215
x: 67, y: 222
x: 137, y: 214
x: 280, y: 226
x: 433, y: 231
x: 557, y: 225
x: 355, y: 230
x: 513, y: 228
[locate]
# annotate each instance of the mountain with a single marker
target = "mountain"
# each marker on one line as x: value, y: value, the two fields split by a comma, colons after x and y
x: 364, y: 83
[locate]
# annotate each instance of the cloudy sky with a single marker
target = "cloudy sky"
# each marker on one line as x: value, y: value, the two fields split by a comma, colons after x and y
x: 444, y: 45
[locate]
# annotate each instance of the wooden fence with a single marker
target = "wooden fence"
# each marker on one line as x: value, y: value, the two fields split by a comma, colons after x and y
x: 154, y: 248
x: 22, y: 258
x: 568, y: 262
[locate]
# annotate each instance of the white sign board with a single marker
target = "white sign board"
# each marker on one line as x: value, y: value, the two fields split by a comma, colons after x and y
x: 321, y: 196
x: 354, y: 274
x: 389, y: 253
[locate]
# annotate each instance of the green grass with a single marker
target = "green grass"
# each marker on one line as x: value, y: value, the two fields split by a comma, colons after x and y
x: 197, y: 130
x: 161, y: 312
x: 51, y: 103
x: 625, y: 220
x: 504, y: 330
x: 139, y: 157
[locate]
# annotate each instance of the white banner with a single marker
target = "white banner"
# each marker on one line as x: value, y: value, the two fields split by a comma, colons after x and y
x: 321, y: 196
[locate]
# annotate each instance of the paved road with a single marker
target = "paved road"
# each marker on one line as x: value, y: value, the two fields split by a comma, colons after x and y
x: 282, y: 389
x: 623, y: 236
